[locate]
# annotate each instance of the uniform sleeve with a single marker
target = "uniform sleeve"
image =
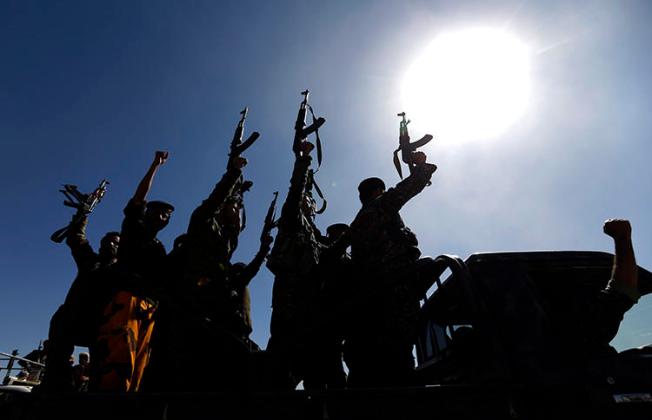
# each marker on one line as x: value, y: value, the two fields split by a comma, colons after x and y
x: 223, y: 189
x: 395, y: 198
x: 206, y: 210
x: 250, y: 271
x: 291, y: 212
x: 603, y: 318
x: 81, y: 250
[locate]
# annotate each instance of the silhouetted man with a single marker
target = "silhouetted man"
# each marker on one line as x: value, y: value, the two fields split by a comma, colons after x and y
x: 206, y: 314
x: 600, y: 325
x: 76, y: 322
x: 294, y: 256
x: 330, y: 311
x: 123, y: 347
x: 385, y: 255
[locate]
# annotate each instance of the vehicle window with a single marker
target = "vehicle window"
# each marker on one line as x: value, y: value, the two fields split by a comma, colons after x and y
x: 635, y: 329
x: 436, y: 339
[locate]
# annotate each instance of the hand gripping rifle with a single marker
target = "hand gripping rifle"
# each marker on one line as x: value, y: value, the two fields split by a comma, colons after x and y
x: 237, y: 145
x: 405, y: 147
x: 301, y: 131
x: 270, y: 223
x: 84, y: 203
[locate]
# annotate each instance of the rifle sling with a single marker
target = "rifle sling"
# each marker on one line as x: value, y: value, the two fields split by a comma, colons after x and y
x: 397, y: 162
x: 319, y: 193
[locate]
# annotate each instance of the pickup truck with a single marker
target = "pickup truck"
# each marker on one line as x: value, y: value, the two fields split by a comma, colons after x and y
x: 517, y: 321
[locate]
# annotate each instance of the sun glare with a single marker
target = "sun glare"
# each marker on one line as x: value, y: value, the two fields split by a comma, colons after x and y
x: 468, y: 85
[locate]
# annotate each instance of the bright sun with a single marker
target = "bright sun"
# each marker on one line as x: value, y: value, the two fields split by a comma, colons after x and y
x: 468, y: 85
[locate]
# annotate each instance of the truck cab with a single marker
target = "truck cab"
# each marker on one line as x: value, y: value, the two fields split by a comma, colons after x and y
x: 527, y: 320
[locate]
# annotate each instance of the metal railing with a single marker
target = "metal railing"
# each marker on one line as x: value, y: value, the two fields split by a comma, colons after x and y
x: 32, y: 369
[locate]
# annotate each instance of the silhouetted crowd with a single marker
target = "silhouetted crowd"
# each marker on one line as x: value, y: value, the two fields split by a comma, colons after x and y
x: 181, y: 320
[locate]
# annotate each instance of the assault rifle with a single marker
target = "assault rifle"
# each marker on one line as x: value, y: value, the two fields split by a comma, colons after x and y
x: 301, y: 131
x: 406, y: 148
x: 84, y: 203
x: 270, y: 223
x: 237, y: 145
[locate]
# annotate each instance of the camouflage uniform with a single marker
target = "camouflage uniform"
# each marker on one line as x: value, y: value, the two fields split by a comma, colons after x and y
x: 210, y: 246
x: 76, y: 321
x: 385, y: 255
x: 294, y: 256
x: 199, y: 315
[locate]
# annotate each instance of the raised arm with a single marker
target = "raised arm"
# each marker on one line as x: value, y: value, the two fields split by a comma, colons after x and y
x: 80, y: 248
x: 624, y: 277
x: 146, y: 183
x: 291, y: 210
x: 395, y: 198
x: 602, y: 320
x: 250, y: 271
x: 205, y: 212
x: 224, y: 187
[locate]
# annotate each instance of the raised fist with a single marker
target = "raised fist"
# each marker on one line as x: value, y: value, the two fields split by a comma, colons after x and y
x: 617, y: 228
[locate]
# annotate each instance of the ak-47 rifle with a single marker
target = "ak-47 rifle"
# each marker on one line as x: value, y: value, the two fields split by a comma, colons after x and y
x: 301, y: 131
x: 84, y: 203
x: 270, y: 222
x: 237, y: 145
x: 406, y: 148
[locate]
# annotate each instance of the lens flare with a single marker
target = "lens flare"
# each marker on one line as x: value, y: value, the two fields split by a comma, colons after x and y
x: 468, y: 85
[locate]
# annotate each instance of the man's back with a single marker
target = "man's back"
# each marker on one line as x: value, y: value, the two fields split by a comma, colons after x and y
x: 379, y: 238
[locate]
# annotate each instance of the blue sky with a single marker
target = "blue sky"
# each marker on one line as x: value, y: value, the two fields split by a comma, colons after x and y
x: 89, y: 90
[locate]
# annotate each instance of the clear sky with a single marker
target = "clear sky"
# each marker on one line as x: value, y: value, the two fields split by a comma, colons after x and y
x: 89, y: 90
